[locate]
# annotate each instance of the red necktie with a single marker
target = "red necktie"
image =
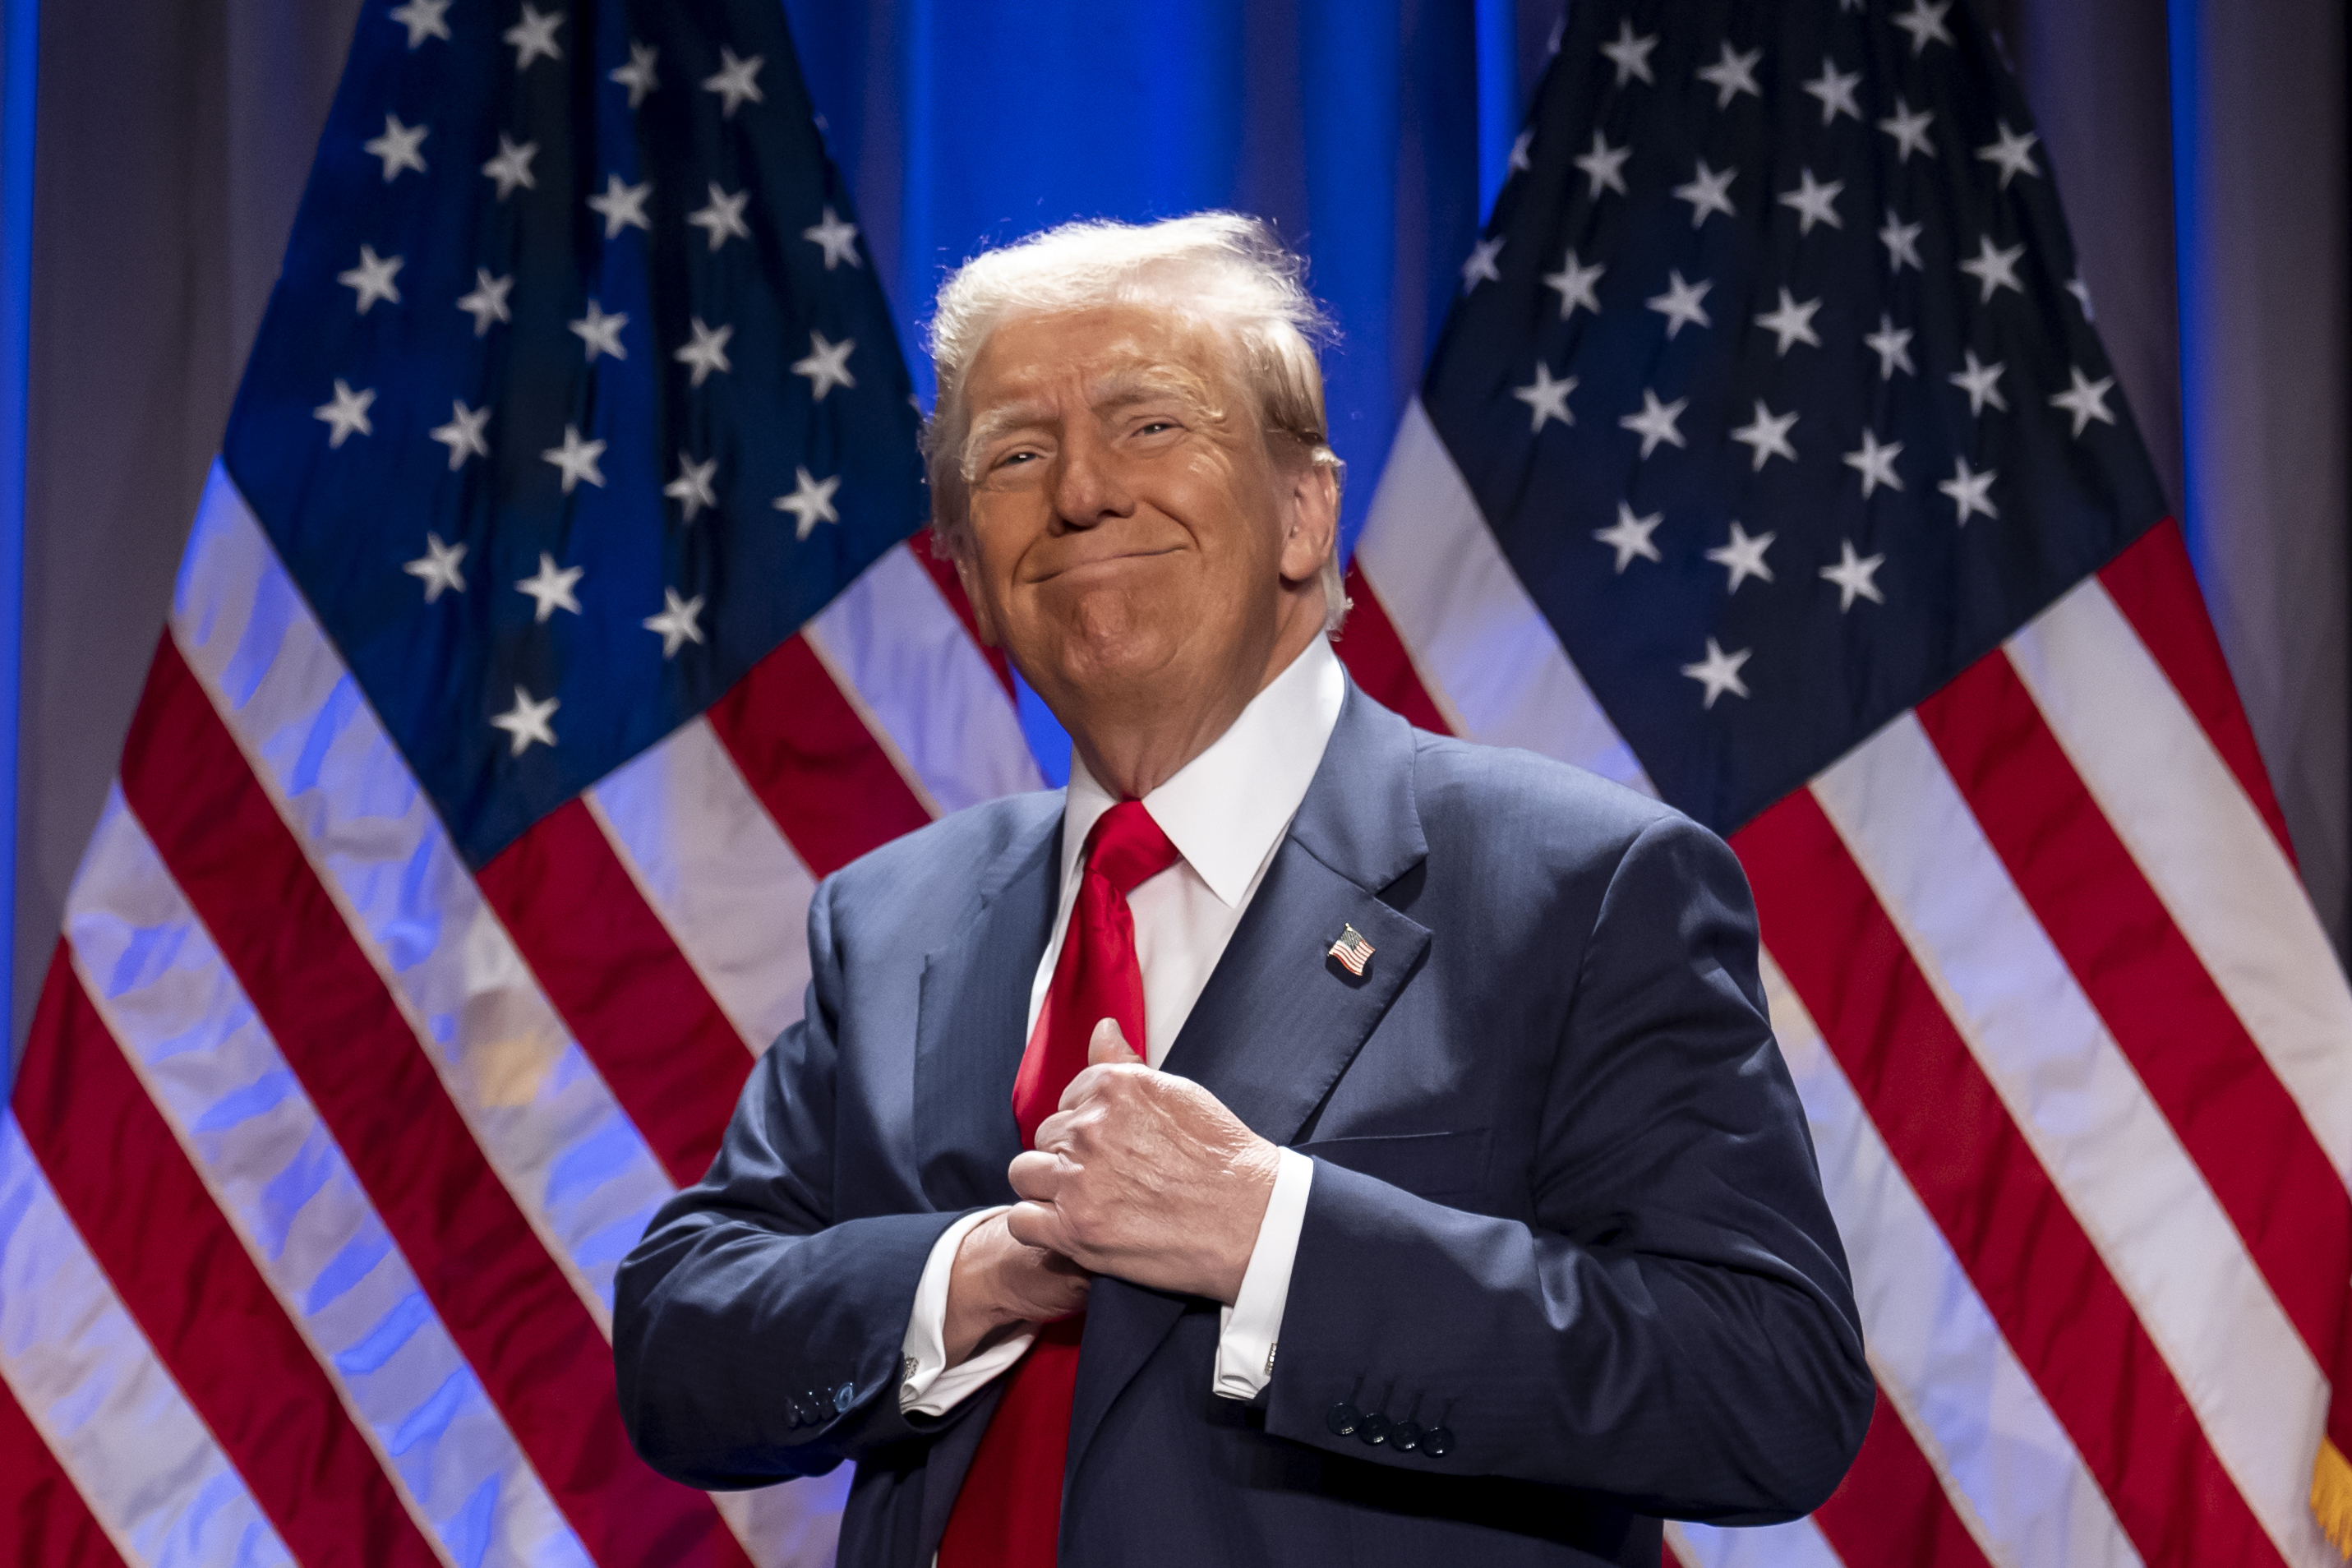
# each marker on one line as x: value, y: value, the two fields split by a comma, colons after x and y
x: 1009, y: 1511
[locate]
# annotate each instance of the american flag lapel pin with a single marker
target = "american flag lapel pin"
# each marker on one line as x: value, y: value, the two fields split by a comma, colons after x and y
x: 1353, y: 949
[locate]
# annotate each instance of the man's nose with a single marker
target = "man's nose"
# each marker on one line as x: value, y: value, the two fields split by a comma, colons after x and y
x: 1088, y: 487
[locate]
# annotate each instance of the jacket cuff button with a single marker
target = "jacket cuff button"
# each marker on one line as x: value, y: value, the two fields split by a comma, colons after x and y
x: 1342, y: 1419
x: 1437, y: 1442
x: 1374, y: 1430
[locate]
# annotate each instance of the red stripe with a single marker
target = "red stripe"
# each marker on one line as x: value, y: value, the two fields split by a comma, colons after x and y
x: 808, y: 755
x: 2200, y: 1065
x: 1380, y: 662
x: 2154, y: 585
x: 950, y: 586
x: 2036, y: 1271
x: 43, y: 1516
x: 671, y: 1057
x: 503, y: 1299
x: 1892, y: 1508
x: 177, y: 1266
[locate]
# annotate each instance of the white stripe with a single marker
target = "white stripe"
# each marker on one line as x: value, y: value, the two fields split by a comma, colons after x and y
x: 1796, y: 1544
x: 795, y: 1525
x: 899, y: 648
x: 578, y: 1168
x: 2084, y: 1109
x: 711, y: 863
x: 2202, y: 844
x: 1478, y: 639
x: 137, y: 1451
x: 2022, y: 1489
x: 170, y: 999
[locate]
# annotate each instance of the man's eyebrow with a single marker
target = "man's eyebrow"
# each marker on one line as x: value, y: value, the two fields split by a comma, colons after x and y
x: 1005, y: 417
x: 1118, y: 388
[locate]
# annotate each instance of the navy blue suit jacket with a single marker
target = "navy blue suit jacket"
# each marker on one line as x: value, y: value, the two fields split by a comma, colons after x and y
x: 1564, y: 1201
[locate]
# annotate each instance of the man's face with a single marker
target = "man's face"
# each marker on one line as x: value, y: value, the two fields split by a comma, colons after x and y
x: 1131, y: 531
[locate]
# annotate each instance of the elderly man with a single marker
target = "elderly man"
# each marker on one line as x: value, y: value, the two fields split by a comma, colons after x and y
x: 1304, y: 1140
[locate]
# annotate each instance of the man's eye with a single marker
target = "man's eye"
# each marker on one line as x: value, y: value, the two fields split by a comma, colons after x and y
x: 1154, y: 425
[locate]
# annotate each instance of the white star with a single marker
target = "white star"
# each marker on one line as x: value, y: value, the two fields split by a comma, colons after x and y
x: 487, y: 302
x: 601, y: 332
x: 1480, y: 268
x: 1732, y: 75
x: 1521, y: 146
x: 1792, y: 323
x: 838, y: 240
x: 1719, y: 672
x: 549, y: 589
x: 1875, y: 463
x: 399, y: 147
x: 622, y: 206
x: 1994, y: 267
x: 2081, y: 292
x: 577, y: 458
x: 1854, y: 575
x: 463, y: 434
x: 735, y: 81
x: 1548, y: 399
x: 1814, y: 202
x: 1893, y: 347
x: 423, y: 20
x: 722, y: 219
x: 707, y: 351
x: 511, y: 167
x: 811, y: 501
x: 372, y: 278
x: 676, y: 622
x: 1681, y: 303
x: 1982, y: 383
x: 1902, y: 242
x: 1630, y: 536
x: 1835, y: 91
x: 1967, y: 488
x: 2013, y: 152
x: 1629, y: 54
x: 347, y: 413
x: 691, y: 490
x: 1575, y: 283
x: 1909, y: 131
x: 1925, y: 22
x: 1743, y: 556
x: 528, y: 720
x: 826, y: 366
x: 1766, y: 435
x: 1657, y: 422
x: 1604, y: 166
x: 1708, y: 191
x: 535, y: 36
x: 638, y: 76
x: 440, y: 567
x: 2086, y: 400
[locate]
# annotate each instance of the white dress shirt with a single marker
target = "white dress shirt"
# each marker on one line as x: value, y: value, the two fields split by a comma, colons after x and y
x: 1226, y: 811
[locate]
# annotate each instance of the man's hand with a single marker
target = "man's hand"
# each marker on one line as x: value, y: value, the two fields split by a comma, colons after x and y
x: 997, y: 1282
x: 1146, y: 1177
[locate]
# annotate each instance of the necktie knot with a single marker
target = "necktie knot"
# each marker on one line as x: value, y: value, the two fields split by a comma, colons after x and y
x: 1127, y: 849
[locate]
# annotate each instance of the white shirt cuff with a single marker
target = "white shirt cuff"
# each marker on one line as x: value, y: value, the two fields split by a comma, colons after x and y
x: 928, y: 1385
x: 1247, y: 1329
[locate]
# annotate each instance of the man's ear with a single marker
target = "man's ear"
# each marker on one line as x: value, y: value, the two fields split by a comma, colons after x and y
x: 1311, y: 519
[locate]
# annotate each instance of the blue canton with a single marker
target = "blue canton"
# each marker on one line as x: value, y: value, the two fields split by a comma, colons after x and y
x: 1776, y: 381
x: 578, y: 394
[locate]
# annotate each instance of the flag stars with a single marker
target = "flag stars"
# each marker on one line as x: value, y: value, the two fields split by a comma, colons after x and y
x: 1874, y: 461
x: 1813, y: 201
x: 677, y: 623
x: 1480, y: 268
x: 549, y: 589
x: 1629, y: 54
x: 527, y: 722
x: 1547, y: 398
x: 622, y: 205
x: 1604, y: 166
x: 1574, y: 284
x: 2011, y: 153
x: 1792, y: 323
x: 487, y: 302
x: 1522, y: 146
x: 826, y: 366
x: 2081, y: 292
x: 838, y: 239
x: 1856, y: 576
x: 1909, y: 129
x: 811, y: 501
x: 1657, y: 422
x: 1719, y: 672
x: 1982, y: 383
x: 1743, y: 556
x: 2086, y: 400
x: 1681, y: 304
x: 463, y: 434
x: 533, y: 37
x: 601, y: 332
x: 692, y: 488
x: 736, y: 82
x: 423, y: 20
x: 639, y: 75
x: 1902, y: 242
x: 347, y: 415
x: 1707, y: 192
x: 722, y: 216
x: 441, y: 568
x: 1967, y: 488
x: 1834, y: 89
x: 577, y: 458
x: 1925, y: 22
x: 372, y: 279
x: 511, y: 167
x: 1766, y: 435
x: 1994, y: 267
x: 1732, y: 75
x: 707, y: 351
x: 400, y: 147
x: 1891, y: 344
x: 1629, y: 536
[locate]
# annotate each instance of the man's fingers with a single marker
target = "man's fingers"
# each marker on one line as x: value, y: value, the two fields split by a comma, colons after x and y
x: 1034, y: 1174
x: 1036, y: 1225
x: 1109, y: 1046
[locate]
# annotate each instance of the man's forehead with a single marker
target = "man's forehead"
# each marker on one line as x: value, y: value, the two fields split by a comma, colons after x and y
x: 1100, y: 353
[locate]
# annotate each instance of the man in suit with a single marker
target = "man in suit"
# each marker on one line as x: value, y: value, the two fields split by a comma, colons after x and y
x: 1305, y: 1139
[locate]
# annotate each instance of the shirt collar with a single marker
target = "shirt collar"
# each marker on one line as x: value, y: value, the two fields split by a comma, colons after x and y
x: 1225, y: 809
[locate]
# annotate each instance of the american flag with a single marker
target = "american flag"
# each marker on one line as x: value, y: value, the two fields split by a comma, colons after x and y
x: 1769, y: 460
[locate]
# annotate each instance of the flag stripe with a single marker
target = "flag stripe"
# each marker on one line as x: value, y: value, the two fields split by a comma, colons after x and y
x: 812, y: 762
x: 2203, y: 1068
x: 510, y: 1309
x: 709, y: 860
x: 673, y: 1060
x: 181, y: 1270
x: 82, y: 1371
x: 1892, y: 1509
x: 942, y: 573
x: 1378, y: 660
x: 42, y: 1515
x: 1798, y: 1544
x: 166, y: 996
x: 2028, y: 1258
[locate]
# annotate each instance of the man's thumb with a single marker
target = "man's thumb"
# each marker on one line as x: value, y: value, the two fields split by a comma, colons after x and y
x: 1109, y: 1046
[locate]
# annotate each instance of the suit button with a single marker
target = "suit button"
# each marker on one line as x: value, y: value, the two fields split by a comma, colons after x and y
x: 1374, y: 1431
x: 792, y: 1413
x: 1342, y: 1419
x: 1406, y: 1435
x: 844, y: 1397
x: 1437, y: 1442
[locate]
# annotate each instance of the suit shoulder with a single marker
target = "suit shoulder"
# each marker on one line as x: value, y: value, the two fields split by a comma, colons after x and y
x: 946, y: 861
x: 1507, y: 800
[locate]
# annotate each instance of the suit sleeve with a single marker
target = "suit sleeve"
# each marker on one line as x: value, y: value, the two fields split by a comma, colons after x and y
x: 1676, y: 1326
x: 755, y: 1338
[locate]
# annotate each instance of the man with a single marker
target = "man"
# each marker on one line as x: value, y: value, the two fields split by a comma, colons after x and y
x: 1401, y: 1115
